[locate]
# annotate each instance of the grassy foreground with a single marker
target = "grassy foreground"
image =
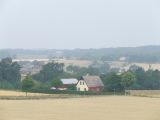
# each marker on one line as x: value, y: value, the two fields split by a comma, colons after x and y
x: 91, y: 108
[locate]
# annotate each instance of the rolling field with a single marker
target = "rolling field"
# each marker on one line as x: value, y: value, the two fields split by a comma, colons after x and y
x: 91, y: 108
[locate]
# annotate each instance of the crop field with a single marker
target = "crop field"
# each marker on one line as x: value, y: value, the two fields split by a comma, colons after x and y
x: 145, y: 93
x: 18, y: 94
x: 90, y: 108
x: 81, y: 63
x: 147, y: 66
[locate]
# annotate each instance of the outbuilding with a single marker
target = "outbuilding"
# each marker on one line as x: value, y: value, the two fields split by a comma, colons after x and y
x: 68, y: 82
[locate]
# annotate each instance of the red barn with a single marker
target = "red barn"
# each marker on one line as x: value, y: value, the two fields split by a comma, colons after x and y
x: 90, y: 83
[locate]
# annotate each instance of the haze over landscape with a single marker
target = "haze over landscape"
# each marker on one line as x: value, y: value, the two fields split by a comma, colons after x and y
x: 78, y: 24
x: 104, y: 54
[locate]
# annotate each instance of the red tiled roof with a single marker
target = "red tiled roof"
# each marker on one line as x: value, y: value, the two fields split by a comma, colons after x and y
x: 93, y: 81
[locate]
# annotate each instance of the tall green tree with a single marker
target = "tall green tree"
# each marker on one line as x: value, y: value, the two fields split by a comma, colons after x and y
x: 27, y: 84
x: 56, y: 83
x: 128, y: 79
x: 9, y: 73
x: 112, y: 82
x: 49, y: 72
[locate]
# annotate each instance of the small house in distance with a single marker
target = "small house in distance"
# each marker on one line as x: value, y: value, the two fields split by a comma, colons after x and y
x: 68, y: 82
x: 90, y: 83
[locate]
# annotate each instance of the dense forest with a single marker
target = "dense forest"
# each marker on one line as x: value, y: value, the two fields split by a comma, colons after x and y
x: 150, y: 54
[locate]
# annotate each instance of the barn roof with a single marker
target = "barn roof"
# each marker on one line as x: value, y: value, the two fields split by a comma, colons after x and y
x: 93, y: 81
x: 69, y: 81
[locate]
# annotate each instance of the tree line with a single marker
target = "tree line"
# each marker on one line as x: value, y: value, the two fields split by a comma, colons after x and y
x: 135, y: 78
x: 51, y: 73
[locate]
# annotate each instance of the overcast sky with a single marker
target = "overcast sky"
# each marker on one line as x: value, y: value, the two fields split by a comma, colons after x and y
x: 67, y: 24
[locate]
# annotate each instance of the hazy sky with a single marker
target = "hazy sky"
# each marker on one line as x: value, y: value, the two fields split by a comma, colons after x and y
x: 79, y: 23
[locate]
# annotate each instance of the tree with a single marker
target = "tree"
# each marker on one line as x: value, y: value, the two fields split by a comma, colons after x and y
x: 112, y: 82
x: 156, y: 79
x: 141, y: 79
x: 127, y: 79
x: 152, y: 80
x: 134, y: 68
x: 56, y: 83
x: 9, y: 73
x: 80, y: 71
x: 73, y: 69
x: 102, y: 67
x: 6, y: 61
x: 49, y: 72
x: 27, y: 84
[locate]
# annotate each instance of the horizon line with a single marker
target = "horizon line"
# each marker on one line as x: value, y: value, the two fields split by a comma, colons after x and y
x: 79, y: 48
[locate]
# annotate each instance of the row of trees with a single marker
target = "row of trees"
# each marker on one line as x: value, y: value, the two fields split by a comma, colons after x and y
x: 51, y: 73
x: 136, y: 78
x: 146, y: 79
x: 118, y: 82
x: 96, y: 68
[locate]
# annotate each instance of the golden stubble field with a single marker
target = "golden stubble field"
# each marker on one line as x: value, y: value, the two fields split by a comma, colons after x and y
x: 18, y: 93
x: 90, y: 108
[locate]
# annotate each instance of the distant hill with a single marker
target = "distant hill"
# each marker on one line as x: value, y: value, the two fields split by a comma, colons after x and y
x: 150, y: 54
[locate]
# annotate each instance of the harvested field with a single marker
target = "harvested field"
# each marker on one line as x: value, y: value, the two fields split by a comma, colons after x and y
x: 145, y: 93
x: 92, y: 108
x: 81, y: 63
x: 16, y: 95
x: 147, y: 66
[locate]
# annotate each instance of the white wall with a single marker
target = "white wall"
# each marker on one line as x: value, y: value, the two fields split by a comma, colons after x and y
x: 82, y: 86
